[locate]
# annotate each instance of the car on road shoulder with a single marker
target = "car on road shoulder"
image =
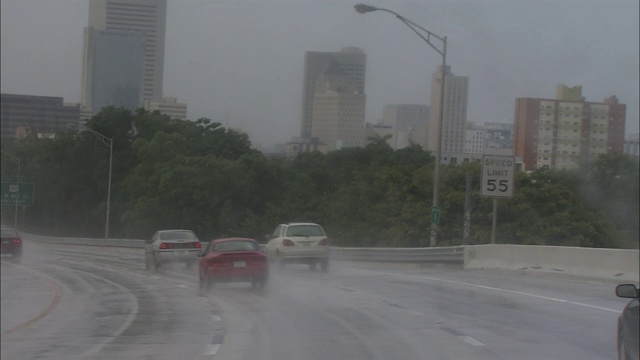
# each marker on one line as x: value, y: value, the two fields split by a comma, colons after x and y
x: 11, y: 243
x: 628, y: 324
x: 233, y: 260
x: 305, y: 243
x: 175, y: 246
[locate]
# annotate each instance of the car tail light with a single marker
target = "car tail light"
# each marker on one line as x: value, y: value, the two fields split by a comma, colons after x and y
x: 165, y: 246
x: 197, y: 245
x: 16, y: 241
x: 287, y: 242
x: 324, y: 241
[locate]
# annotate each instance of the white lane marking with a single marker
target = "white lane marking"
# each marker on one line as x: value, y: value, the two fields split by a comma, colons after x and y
x: 183, y: 286
x: 131, y: 316
x: 504, y: 290
x: 212, y: 349
x: 216, y: 318
x: 470, y: 340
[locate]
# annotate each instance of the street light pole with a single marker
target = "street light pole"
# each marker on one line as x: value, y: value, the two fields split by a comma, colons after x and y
x: 109, y: 142
x: 435, y: 211
x: 15, y: 216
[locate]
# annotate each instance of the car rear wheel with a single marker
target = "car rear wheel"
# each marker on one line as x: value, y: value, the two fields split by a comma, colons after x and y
x: 205, y: 282
x: 622, y: 352
x: 259, y: 283
x: 279, y: 260
x: 324, y: 264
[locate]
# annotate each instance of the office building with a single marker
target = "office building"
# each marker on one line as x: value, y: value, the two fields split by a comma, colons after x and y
x: 337, y: 119
x: 498, y: 138
x: 147, y: 17
x: 566, y: 132
x: 474, y: 136
x: 455, y: 111
x: 632, y: 146
x: 409, y: 122
x: 41, y: 116
x: 350, y: 63
x: 113, y: 69
x: 168, y: 106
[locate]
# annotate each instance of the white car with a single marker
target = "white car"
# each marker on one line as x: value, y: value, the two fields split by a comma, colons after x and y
x: 171, y: 246
x: 305, y: 243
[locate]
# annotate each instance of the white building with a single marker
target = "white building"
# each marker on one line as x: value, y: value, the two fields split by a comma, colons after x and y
x: 474, y: 140
x: 168, y: 106
x: 455, y: 111
x: 632, y: 146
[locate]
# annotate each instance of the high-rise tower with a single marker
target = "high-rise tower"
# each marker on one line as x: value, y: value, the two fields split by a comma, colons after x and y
x: 345, y: 70
x: 455, y: 111
x: 143, y: 18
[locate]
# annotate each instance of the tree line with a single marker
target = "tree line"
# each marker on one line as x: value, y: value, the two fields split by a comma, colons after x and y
x: 199, y: 175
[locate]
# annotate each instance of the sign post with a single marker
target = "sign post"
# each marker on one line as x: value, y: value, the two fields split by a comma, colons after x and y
x: 498, y: 178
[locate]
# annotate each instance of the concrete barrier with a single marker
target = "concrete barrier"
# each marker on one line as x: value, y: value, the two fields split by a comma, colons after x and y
x: 611, y: 264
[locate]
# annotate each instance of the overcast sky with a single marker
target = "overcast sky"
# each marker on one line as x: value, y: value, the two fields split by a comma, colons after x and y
x: 241, y: 62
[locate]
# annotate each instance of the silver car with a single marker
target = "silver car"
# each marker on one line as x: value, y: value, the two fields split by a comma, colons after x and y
x: 305, y: 243
x: 175, y: 246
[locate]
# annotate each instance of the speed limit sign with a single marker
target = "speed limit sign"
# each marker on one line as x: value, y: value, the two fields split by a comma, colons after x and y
x: 498, y: 174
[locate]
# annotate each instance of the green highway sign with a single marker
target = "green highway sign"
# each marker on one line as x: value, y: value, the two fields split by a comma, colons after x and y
x: 435, y: 215
x: 10, y: 193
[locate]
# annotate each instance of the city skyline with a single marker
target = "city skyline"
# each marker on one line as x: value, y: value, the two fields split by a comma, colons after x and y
x: 241, y: 63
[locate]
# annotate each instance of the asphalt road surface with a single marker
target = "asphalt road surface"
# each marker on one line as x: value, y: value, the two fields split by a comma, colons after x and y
x: 73, y: 302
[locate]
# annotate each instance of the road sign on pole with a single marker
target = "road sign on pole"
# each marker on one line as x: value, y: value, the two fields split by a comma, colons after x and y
x: 498, y: 176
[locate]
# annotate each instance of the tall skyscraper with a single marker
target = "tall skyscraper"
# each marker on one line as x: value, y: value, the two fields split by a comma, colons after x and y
x: 337, y: 118
x: 113, y: 69
x: 564, y: 132
x: 147, y: 18
x: 456, y: 90
x: 350, y: 62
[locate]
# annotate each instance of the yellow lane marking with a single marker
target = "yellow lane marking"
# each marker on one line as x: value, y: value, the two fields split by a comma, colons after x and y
x: 54, y: 302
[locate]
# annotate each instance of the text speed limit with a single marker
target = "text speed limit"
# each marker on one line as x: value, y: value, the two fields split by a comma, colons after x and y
x: 498, y: 176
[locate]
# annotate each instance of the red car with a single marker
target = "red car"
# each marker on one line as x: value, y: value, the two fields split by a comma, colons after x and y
x: 231, y: 260
x: 11, y: 243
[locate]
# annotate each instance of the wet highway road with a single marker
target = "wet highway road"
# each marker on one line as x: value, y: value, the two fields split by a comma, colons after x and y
x: 72, y: 302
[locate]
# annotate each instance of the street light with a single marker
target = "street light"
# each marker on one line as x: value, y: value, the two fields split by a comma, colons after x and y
x: 435, y: 211
x: 15, y: 216
x: 109, y: 142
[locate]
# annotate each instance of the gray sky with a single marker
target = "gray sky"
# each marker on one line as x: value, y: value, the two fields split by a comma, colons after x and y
x: 241, y: 61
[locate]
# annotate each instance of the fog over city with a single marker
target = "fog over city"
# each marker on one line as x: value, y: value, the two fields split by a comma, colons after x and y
x: 240, y: 62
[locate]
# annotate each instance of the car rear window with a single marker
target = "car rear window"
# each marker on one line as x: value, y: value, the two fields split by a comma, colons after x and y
x: 236, y: 246
x: 177, y: 235
x: 305, y: 230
